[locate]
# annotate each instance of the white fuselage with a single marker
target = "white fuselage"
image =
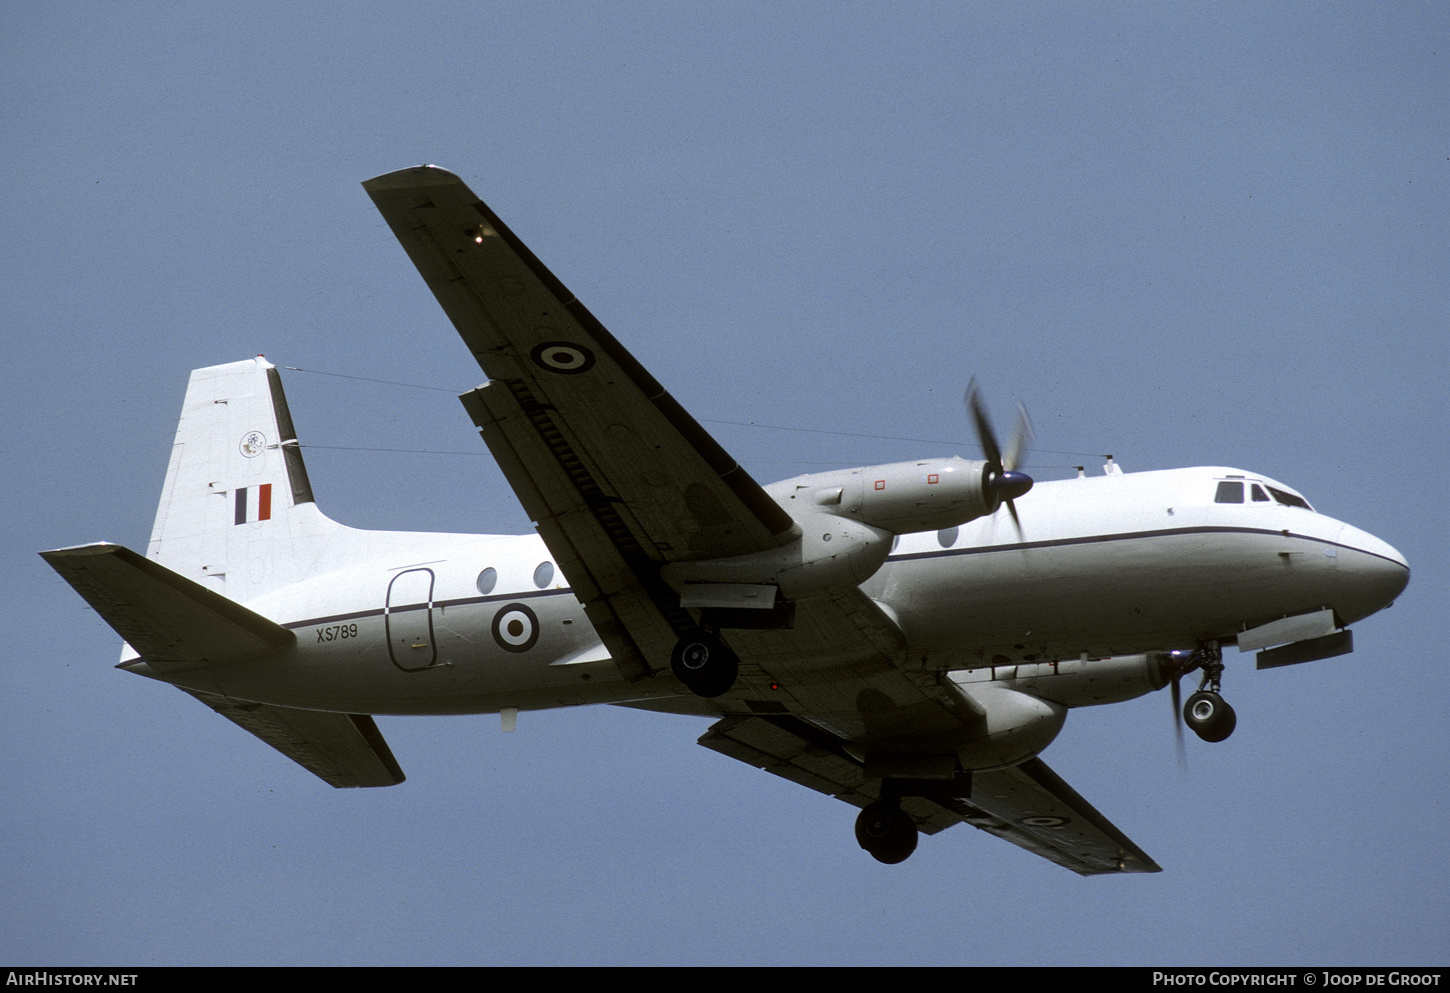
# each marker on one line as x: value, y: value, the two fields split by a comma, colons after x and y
x: 1106, y: 565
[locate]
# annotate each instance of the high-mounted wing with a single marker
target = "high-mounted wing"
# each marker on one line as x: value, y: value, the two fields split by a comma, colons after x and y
x: 620, y: 479
x: 1029, y: 805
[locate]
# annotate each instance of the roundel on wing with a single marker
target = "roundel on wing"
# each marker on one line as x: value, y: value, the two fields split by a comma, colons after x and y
x: 563, y: 356
x: 515, y: 628
x: 1043, y: 820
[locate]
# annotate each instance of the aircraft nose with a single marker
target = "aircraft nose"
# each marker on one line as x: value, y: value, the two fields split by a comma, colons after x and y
x: 1372, y: 573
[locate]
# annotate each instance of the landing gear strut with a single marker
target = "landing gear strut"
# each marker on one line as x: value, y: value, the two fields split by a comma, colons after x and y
x: 1207, y: 713
x: 705, y: 664
x: 886, y: 831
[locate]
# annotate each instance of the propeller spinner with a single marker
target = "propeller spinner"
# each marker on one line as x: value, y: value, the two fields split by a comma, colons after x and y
x: 1003, y: 479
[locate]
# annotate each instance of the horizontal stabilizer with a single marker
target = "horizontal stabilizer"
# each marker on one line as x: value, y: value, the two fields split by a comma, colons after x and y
x: 173, y: 622
x: 344, y: 750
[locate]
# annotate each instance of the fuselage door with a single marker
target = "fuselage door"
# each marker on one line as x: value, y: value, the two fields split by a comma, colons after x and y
x: 408, y: 618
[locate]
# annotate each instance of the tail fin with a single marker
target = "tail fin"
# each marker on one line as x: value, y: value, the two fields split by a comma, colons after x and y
x: 236, y: 513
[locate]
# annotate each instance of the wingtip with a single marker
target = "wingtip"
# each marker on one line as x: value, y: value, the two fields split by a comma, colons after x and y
x: 80, y: 551
x: 411, y: 178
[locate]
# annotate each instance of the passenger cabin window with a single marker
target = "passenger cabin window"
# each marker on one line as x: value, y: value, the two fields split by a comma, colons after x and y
x: 1229, y: 492
x: 487, y: 579
x: 544, y: 574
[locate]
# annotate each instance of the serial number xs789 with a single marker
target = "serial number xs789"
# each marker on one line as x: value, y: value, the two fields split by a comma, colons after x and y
x: 337, y: 632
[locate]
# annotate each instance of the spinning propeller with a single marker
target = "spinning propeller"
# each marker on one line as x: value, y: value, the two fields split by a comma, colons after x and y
x: 1002, y: 478
x: 1176, y: 702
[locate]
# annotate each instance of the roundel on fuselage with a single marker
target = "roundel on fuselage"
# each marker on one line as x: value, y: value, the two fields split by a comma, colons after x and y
x: 515, y: 628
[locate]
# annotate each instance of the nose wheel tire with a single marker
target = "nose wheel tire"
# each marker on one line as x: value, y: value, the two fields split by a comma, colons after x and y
x: 704, y: 664
x: 1209, y: 715
x: 887, y: 832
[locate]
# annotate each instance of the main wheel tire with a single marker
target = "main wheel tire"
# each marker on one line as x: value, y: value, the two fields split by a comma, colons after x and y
x: 704, y: 664
x: 886, y: 832
x: 1210, y: 716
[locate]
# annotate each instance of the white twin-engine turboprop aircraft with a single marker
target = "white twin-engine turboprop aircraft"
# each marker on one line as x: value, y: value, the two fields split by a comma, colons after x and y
x: 875, y: 634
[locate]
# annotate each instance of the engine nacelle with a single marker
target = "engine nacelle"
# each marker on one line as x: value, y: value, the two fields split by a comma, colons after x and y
x: 1013, y: 726
x: 831, y: 554
x: 847, y: 521
x: 900, y: 497
x: 1089, y: 682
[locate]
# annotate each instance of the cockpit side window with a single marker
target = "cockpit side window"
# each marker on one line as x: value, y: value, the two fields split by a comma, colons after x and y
x: 1289, y: 499
x: 1229, y: 492
x: 1259, y: 495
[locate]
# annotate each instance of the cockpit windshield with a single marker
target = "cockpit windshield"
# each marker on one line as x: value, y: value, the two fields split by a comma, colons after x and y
x: 1288, y: 499
x: 1232, y: 491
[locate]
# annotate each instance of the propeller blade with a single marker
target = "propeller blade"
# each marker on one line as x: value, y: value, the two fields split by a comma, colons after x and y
x: 1178, y: 720
x: 986, y: 437
x: 1021, y: 438
x: 1012, y: 509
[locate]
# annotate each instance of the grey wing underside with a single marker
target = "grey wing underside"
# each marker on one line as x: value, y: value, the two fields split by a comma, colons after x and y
x: 1028, y: 805
x: 618, y: 476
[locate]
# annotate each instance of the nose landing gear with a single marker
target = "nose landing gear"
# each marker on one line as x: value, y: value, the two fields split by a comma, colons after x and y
x: 1210, y: 716
x: 1206, y: 713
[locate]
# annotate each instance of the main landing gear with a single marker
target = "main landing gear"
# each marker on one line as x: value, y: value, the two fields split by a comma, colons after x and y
x: 705, y: 664
x: 886, y: 831
x: 1206, y: 713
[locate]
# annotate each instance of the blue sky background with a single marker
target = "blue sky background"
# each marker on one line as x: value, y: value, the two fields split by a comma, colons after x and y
x: 1184, y: 234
